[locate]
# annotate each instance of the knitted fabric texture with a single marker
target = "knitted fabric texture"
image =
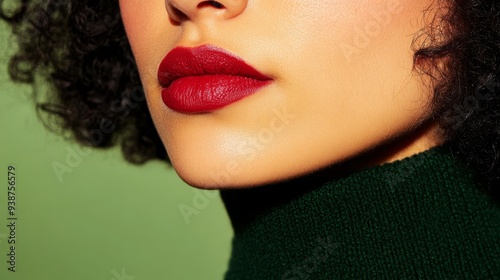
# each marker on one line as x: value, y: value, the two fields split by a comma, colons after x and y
x: 422, y: 217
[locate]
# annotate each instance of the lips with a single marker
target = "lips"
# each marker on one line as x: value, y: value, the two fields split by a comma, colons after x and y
x: 206, y: 78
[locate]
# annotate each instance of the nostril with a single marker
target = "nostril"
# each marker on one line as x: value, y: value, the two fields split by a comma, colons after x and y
x: 213, y: 4
x: 175, y: 14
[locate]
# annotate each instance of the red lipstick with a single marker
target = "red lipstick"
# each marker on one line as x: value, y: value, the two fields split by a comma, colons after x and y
x: 206, y: 78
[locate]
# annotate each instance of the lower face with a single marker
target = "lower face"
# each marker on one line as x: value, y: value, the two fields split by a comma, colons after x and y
x: 342, y: 84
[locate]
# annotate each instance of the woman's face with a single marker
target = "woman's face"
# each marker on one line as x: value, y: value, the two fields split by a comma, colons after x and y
x: 336, y: 81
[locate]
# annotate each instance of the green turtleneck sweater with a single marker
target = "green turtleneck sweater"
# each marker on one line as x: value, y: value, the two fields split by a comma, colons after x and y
x: 422, y: 217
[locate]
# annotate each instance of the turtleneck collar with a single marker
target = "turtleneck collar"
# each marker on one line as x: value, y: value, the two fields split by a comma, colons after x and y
x: 404, y: 217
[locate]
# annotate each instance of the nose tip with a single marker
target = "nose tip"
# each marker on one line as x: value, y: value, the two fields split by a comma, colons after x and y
x: 183, y: 10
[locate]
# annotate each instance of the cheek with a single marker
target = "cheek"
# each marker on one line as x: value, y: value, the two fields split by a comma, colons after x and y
x: 362, y: 50
x: 137, y: 25
x: 150, y: 35
x: 147, y: 26
x: 350, y: 79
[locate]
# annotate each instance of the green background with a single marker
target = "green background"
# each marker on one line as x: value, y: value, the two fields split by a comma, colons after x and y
x: 105, y: 219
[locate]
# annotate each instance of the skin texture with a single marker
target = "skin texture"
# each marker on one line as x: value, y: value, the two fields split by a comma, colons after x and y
x: 342, y: 85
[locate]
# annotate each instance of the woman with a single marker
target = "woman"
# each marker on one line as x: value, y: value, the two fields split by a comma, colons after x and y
x: 348, y: 139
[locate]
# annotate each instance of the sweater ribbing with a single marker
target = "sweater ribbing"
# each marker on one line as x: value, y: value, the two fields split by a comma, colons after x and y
x: 422, y: 217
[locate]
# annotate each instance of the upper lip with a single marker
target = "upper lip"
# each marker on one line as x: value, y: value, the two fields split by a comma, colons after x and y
x: 203, y: 60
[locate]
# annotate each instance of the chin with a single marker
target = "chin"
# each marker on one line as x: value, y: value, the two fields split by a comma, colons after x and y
x: 232, y: 174
x: 219, y: 170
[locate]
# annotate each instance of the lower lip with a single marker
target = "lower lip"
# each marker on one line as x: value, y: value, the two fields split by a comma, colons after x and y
x: 198, y: 94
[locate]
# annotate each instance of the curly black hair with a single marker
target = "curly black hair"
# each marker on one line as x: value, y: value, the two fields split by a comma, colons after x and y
x: 81, y: 48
